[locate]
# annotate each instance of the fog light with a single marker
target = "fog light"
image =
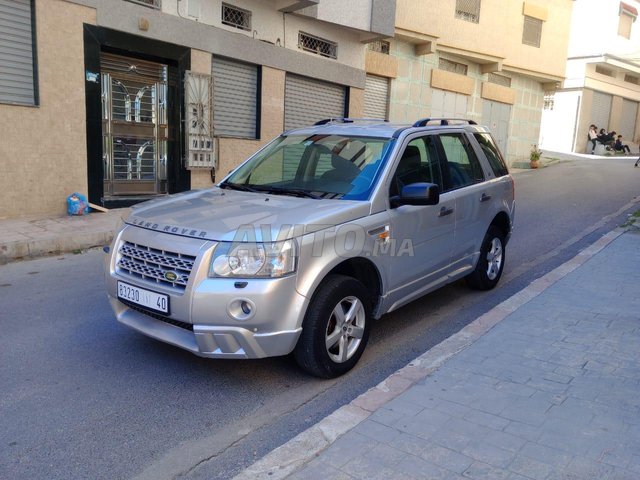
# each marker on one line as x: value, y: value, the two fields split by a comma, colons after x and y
x: 241, y: 309
x: 246, y: 308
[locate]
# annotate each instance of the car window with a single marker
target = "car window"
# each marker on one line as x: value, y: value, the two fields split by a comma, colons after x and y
x: 462, y: 166
x: 492, y: 153
x: 329, y: 166
x: 418, y: 164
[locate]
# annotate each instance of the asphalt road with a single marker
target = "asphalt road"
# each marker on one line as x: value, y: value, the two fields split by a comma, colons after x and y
x: 83, y: 397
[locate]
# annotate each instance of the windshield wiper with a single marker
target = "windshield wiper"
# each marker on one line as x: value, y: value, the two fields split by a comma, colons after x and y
x: 290, y: 191
x: 237, y: 186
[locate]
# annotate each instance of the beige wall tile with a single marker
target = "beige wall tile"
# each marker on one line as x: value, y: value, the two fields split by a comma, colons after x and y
x: 43, y: 149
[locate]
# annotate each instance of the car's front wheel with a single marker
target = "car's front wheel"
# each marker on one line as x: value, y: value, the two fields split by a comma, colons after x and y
x: 335, y: 329
x: 491, y: 262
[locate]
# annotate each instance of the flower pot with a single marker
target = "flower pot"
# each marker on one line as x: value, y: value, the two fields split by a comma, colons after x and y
x: 534, y: 163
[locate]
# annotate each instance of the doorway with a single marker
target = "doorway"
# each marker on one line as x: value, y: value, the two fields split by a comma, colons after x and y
x: 134, y: 126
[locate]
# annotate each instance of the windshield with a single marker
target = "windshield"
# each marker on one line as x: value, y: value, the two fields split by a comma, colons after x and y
x: 317, y: 166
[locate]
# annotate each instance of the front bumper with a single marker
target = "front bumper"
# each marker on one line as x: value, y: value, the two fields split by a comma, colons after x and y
x: 209, y: 340
x: 203, y: 317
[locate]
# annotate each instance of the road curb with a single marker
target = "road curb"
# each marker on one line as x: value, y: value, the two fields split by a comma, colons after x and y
x: 72, y: 242
x: 306, y: 446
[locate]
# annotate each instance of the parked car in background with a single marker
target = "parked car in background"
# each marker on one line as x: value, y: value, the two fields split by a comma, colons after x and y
x: 316, y: 235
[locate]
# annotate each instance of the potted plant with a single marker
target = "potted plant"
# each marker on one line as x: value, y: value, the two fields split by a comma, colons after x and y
x: 534, y: 156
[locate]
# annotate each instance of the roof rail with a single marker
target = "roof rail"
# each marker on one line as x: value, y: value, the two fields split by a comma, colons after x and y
x: 348, y: 120
x: 443, y: 121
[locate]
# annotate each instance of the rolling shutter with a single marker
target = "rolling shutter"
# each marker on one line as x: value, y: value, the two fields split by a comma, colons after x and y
x: 601, y: 110
x: 235, y: 98
x: 16, y: 53
x: 307, y: 100
x: 376, y: 97
x: 628, y: 121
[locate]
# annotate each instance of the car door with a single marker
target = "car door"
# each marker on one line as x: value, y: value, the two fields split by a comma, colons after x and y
x: 464, y: 179
x: 421, y: 236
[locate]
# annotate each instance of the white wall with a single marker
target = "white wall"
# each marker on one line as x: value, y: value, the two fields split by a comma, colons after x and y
x: 270, y: 25
x: 557, y: 131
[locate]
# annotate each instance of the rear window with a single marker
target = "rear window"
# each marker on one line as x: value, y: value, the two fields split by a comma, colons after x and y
x: 492, y: 153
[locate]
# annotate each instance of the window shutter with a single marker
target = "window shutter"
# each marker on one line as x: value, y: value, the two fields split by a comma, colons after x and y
x: 16, y: 53
x: 235, y: 98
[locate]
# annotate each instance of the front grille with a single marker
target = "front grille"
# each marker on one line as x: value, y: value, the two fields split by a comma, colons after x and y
x: 160, y: 266
x: 157, y: 316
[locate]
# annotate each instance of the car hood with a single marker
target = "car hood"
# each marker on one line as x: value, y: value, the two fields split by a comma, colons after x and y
x: 226, y: 215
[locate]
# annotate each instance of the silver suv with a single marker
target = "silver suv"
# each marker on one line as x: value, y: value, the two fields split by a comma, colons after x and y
x: 320, y: 232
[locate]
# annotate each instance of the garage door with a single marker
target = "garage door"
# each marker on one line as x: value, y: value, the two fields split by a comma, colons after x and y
x: 307, y: 100
x: 376, y: 97
x: 448, y: 104
x: 601, y: 110
x: 628, y: 120
x: 496, y: 116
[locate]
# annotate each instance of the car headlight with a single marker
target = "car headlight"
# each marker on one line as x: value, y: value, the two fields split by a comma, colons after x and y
x: 253, y: 260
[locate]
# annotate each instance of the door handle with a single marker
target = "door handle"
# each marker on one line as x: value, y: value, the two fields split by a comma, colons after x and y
x: 485, y: 197
x: 444, y: 211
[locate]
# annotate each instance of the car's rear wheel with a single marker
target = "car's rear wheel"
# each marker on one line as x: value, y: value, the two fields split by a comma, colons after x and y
x: 491, y: 262
x: 335, y: 329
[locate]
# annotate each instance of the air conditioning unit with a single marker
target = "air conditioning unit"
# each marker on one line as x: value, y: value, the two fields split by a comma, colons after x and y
x: 200, y: 145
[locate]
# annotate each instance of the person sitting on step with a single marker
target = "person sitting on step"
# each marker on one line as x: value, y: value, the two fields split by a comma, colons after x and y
x: 620, y: 147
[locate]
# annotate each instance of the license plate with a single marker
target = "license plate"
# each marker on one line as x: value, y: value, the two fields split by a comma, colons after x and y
x: 146, y: 298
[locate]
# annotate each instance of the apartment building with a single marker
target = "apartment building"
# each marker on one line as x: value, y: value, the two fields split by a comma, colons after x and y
x: 602, y: 85
x: 487, y: 60
x: 125, y: 100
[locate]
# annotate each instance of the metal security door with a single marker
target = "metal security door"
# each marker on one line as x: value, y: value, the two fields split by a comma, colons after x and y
x: 601, y: 110
x: 376, y: 97
x: 446, y: 104
x: 496, y: 116
x: 134, y: 126
x: 307, y: 100
x: 628, y: 121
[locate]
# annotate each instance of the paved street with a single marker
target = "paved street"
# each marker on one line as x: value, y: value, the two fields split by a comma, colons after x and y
x: 84, y: 397
x: 551, y: 392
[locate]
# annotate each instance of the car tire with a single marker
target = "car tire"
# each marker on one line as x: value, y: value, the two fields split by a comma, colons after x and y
x: 335, y: 328
x: 491, y: 262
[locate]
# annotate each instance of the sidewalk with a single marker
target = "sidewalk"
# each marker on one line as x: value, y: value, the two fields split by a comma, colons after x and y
x: 30, y: 237
x: 544, y: 386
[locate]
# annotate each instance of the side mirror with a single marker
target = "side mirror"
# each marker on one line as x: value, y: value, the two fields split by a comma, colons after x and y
x: 418, y: 194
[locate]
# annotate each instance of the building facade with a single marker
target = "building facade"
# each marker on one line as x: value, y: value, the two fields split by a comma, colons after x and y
x: 125, y: 100
x: 486, y: 60
x: 602, y: 85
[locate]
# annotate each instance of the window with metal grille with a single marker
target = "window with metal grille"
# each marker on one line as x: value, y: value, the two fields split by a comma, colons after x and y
x: 450, y: 66
x: 548, y: 101
x: 631, y: 79
x: 236, y: 17
x: 624, y: 25
x: 18, y: 73
x: 499, y: 79
x: 468, y: 10
x: 532, y: 31
x: 381, y: 46
x: 605, y: 71
x: 317, y: 45
x: 148, y: 3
